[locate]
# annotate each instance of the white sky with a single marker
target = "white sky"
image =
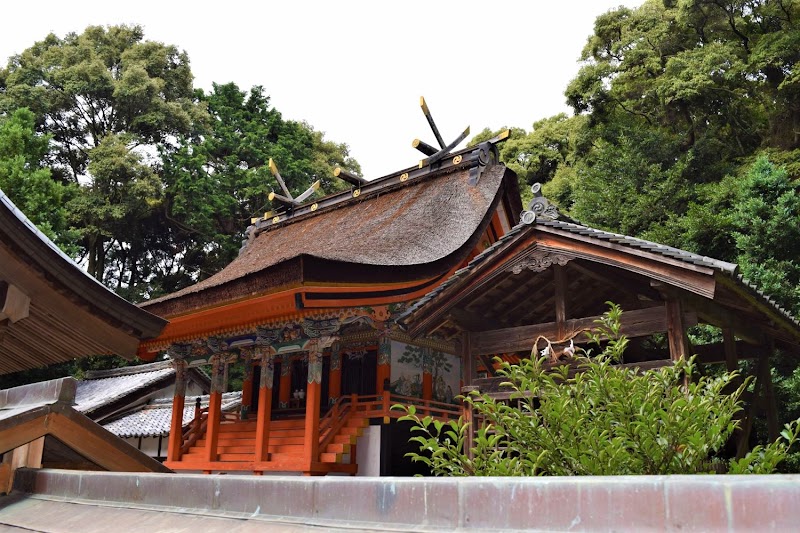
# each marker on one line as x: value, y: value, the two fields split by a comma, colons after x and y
x: 356, y: 69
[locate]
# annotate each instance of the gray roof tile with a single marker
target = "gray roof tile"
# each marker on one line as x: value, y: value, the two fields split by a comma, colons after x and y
x: 94, y: 393
x: 729, y: 269
x: 153, y: 420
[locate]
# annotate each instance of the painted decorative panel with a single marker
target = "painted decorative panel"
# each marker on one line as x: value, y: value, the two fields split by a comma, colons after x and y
x: 446, y: 370
x: 408, y: 364
x: 406, y: 378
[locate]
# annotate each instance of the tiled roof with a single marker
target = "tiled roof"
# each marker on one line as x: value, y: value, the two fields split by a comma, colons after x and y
x: 105, y: 387
x: 153, y: 420
x: 729, y: 269
x: 648, y: 246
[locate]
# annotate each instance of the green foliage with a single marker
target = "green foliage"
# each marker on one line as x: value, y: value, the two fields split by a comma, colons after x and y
x: 102, y: 81
x: 766, y: 216
x: 106, y: 99
x: 145, y: 180
x: 217, y: 179
x: 24, y: 178
x: 604, y: 420
x: 676, y: 100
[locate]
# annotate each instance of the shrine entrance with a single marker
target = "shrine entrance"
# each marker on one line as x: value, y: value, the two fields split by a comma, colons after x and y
x: 359, y: 372
x: 289, y: 395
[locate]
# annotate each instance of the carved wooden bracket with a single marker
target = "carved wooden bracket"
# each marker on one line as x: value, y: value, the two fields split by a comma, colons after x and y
x: 540, y: 260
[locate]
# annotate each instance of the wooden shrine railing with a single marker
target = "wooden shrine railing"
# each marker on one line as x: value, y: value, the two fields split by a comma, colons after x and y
x: 338, y: 415
x: 197, y: 428
x: 381, y: 406
x: 378, y: 406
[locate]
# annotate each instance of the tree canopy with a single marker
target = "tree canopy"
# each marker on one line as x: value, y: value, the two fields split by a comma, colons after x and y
x: 686, y: 131
x: 217, y: 179
x: 147, y: 181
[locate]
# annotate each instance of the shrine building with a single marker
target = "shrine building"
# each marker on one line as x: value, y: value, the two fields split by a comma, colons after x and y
x: 400, y: 290
x: 308, y: 307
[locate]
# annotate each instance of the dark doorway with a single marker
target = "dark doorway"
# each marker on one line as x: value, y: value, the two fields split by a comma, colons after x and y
x: 394, y: 447
x: 359, y: 372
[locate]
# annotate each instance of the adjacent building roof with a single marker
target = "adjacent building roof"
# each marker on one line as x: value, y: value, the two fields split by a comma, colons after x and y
x: 103, y: 392
x: 401, y: 227
x: 552, y: 235
x: 59, y: 312
x: 153, y: 419
x: 45, y: 409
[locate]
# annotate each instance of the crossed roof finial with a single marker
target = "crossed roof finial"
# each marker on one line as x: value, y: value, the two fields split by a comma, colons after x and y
x: 286, y: 198
x: 435, y: 154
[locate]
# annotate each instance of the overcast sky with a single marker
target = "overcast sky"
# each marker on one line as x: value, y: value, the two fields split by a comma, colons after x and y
x: 356, y: 70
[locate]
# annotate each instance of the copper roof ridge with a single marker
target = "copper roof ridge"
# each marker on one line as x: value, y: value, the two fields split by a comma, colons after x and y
x: 127, y: 370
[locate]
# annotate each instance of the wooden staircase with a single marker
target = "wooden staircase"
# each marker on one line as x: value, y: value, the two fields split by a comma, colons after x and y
x: 236, y: 448
x: 339, y: 430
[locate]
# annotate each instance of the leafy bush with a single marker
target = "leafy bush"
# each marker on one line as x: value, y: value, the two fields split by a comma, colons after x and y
x: 604, y: 420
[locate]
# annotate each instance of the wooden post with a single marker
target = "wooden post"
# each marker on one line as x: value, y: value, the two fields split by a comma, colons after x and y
x: 313, y: 391
x: 178, y: 398
x: 772, y: 409
x: 468, y: 416
x: 762, y: 370
x: 335, y: 378
x: 769, y: 396
x: 247, y: 388
x: 676, y: 332
x: 384, y: 370
x: 560, y: 284
x: 285, y: 390
x: 214, y: 407
x: 386, y: 406
x: 731, y: 360
x: 264, y: 407
x: 470, y: 374
x: 729, y: 344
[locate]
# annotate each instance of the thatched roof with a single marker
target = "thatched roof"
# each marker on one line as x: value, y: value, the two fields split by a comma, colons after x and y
x: 397, y: 230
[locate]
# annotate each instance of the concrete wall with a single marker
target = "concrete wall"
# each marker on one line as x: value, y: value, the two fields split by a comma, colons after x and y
x: 624, y: 503
x: 368, y: 452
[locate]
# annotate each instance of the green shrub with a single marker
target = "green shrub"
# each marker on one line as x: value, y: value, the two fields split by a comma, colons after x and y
x: 604, y: 420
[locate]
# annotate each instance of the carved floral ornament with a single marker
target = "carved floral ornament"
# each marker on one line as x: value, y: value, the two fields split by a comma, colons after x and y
x: 540, y: 260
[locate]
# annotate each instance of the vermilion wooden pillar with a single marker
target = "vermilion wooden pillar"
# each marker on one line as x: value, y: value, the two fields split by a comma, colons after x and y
x: 384, y: 370
x: 335, y: 383
x: 264, y: 407
x: 178, y: 399
x: 311, y: 439
x: 285, y: 391
x: 247, y: 387
x: 214, y: 406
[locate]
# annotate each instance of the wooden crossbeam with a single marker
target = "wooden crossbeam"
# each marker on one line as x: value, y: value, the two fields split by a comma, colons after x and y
x: 350, y: 178
x: 637, y: 323
x: 444, y: 151
x: 277, y: 175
